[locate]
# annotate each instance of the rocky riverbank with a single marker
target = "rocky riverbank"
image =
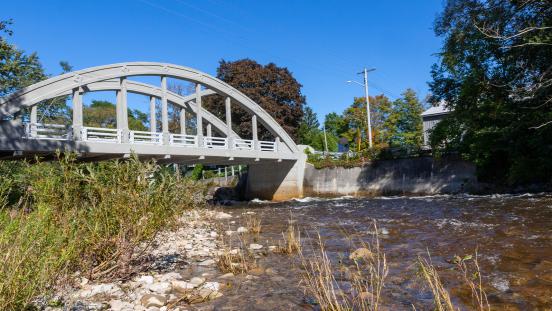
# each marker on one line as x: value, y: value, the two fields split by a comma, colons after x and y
x: 178, y: 269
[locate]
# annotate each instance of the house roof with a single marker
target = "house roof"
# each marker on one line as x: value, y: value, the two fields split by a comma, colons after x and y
x: 436, y: 110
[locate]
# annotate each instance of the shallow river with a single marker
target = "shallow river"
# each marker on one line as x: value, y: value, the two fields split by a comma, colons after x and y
x: 513, y: 235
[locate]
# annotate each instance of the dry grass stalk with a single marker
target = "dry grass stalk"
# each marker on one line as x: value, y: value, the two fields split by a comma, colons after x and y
x: 253, y: 224
x: 367, y: 279
x: 474, y: 281
x: 292, y: 241
x: 235, y: 260
x: 441, y: 297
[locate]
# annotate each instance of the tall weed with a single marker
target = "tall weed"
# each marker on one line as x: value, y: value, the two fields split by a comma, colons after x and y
x: 90, y: 217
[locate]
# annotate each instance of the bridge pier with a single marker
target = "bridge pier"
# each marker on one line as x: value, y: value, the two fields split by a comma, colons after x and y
x: 276, y: 181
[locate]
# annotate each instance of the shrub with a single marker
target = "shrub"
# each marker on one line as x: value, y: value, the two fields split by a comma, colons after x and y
x: 83, y: 217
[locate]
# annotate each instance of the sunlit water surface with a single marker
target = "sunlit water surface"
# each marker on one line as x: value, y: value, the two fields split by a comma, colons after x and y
x: 513, y: 235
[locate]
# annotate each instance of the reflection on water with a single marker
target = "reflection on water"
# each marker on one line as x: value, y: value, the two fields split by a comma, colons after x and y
x: 513, y: 235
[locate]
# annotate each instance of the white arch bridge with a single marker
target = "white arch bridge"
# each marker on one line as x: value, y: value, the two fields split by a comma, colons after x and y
x: 212, y: 142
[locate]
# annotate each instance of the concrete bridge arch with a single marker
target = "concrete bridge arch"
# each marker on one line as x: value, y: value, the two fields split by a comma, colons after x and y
x: 98, y: 143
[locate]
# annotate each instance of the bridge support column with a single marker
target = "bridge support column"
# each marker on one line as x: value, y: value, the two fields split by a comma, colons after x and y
x: 276, y: 181
x: 77, y: 114
x: 164, y: 111
x: 122, y: 110
x: 209, y: 130
x: 33, y: 120
x: 255, y: 132
x: 199, y: 115
x: 182, y: 121
x: 228, y: 109
x: 152, y: 119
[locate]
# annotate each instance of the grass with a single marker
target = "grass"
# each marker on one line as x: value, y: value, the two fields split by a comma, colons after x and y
x: 292, y: 240
x: 470, y: 274
x: 62, y: 217
x: 253, y: 224
x: 441, y: 296
x: 367, y: 278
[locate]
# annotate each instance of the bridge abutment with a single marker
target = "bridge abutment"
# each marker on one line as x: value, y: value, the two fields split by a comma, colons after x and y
x: 276, y: 181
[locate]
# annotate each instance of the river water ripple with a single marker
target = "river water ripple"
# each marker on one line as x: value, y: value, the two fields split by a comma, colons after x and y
x: 513, y: 235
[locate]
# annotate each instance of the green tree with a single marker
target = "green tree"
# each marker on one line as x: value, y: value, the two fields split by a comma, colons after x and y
x: 309, y: 126
x: 405, y: 121
x: 101, y: 113
x: 273, y: 88
x: 494, y: 72
x: 356, y: 122
x: 17, y: 69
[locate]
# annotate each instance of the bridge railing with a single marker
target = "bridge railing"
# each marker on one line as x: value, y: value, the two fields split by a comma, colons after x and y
x: 243, y: 144
x: 101, y: 134
x: 267, y: 145
x: 47, y: 131
x: 183, y: 140
x: 143, y: 137
x: 215, y: 142
x: 97, y: 134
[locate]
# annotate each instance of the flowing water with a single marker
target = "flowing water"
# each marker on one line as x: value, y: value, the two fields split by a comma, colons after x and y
x: 512, y: 233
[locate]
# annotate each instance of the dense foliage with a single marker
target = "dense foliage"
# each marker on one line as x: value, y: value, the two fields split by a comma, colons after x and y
x: 495, y: 73
x: 273, y: 88
x: 395, y: 124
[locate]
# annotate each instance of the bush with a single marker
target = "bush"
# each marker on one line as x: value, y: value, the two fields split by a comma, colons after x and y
x: 82, y: 217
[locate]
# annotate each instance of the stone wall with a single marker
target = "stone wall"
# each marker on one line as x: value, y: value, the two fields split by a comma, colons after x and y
x: 423, y: 175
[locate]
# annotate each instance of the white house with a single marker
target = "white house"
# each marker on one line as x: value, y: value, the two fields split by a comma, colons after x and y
x: 431, y: 117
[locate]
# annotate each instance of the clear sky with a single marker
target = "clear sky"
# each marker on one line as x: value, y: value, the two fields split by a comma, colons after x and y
x: 323, y: 43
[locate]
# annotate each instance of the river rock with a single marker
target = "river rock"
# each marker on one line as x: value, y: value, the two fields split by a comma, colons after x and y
x: 242, y: 230
x: 361, y: 253
x: 168, y: 277
x: 119, y: 305
x: 145, y: 279
x: 196, y: 281
x: 255, y: 246
x: 215, y: 286
x: 227, y: 276
x: 182, y: 286
x: 209, y: 294
x: 160, y: 288
x: 153, y: 300
x: 222, y: 215
x: 208, y: 262
x: 96, y: 289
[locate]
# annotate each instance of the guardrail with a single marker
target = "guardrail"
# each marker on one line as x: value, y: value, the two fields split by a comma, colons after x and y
x: 47, y: 131
x: 149, y: 138
x: 215, y: 142
x: 267, y: 145
x: 97, y: 134
x: 101, y: 134
x: 243, y: 144
x: 183, y: 140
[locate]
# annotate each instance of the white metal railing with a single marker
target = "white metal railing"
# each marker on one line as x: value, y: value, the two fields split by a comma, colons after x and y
x: 215, y: 142
x: 101, y: 134
x: 97, y: 134
x: 183, y: 140
x: 243, y: 144
x: 267, y: 145
x: 47, y: 131
x: 142, y: 137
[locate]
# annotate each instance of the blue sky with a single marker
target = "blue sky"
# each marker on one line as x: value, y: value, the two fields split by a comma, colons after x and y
x: 323, y: 43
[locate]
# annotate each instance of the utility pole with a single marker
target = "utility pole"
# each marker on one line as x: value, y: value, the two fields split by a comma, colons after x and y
x: 368, y: 104
x: 325, y: 141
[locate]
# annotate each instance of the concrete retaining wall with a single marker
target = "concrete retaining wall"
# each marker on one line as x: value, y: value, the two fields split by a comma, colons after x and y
x: 423, y: 175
